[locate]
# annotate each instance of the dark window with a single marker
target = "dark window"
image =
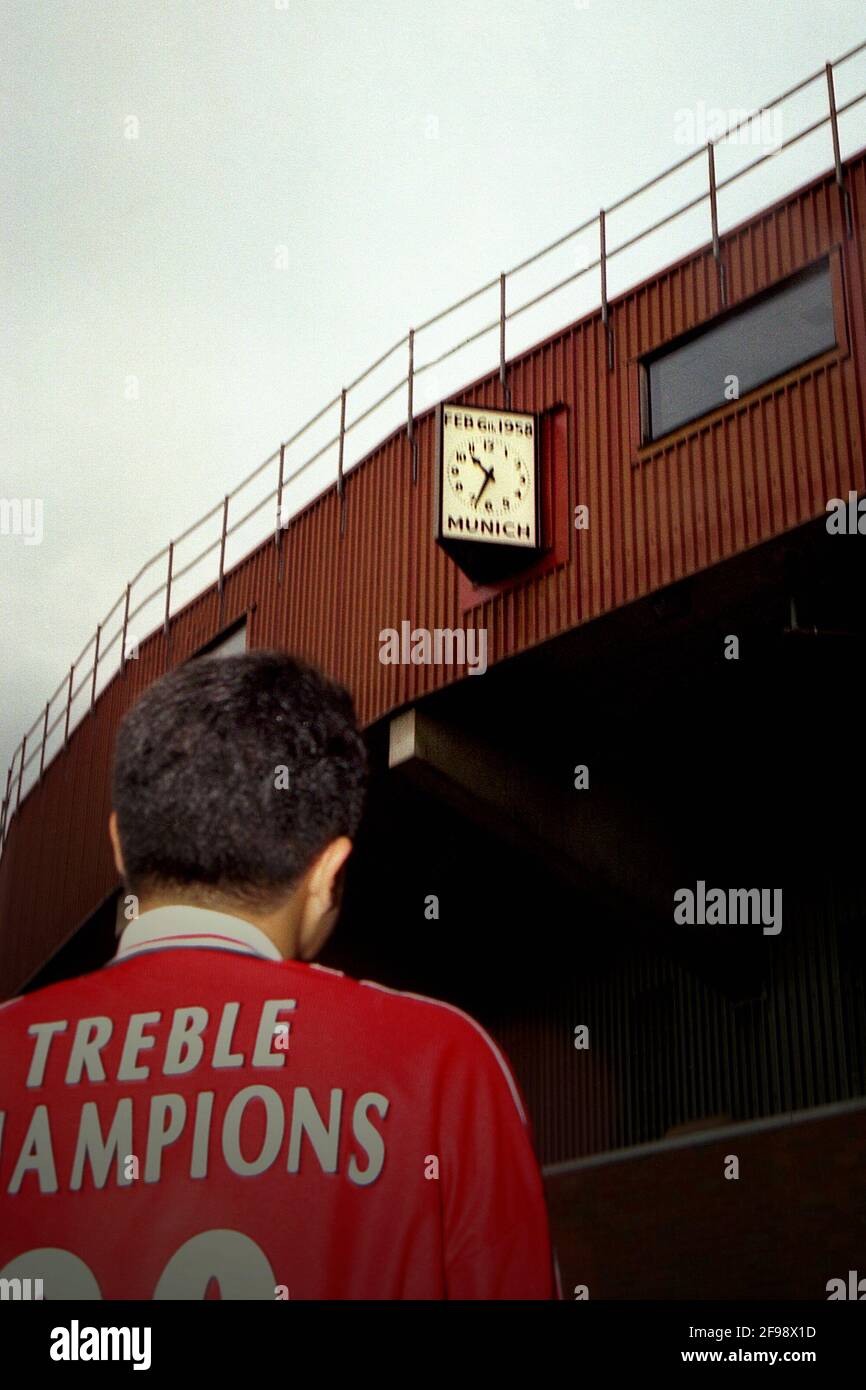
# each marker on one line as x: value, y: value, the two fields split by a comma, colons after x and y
x: 768, y: 337
x: 232, y: 641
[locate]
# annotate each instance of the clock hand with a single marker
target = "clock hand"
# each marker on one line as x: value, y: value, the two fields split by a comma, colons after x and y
x: 489, y: 479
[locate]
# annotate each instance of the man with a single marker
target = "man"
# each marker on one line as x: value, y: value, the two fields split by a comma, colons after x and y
x: 211, y: 1114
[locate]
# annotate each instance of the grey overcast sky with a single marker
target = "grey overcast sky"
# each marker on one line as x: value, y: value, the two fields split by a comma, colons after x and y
x: 218, y: 212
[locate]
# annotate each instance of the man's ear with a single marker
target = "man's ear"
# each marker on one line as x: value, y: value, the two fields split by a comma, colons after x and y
x: 321, y: 899
x: 114, y: 836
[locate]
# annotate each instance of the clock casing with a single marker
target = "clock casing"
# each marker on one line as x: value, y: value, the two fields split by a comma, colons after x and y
x: 487, y: 513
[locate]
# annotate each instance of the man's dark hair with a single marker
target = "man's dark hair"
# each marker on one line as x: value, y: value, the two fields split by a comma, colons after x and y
x: 201, y: 800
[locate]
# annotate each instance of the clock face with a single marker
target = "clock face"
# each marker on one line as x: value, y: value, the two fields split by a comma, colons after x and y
x: 488, y: 482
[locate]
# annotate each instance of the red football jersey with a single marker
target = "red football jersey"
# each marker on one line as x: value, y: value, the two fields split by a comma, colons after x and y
x: 202, y: 1119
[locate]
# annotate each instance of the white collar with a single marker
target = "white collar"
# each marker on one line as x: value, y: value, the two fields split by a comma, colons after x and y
x: 166, y: 928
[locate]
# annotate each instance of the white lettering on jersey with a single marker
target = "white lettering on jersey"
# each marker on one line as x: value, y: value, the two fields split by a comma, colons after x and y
x: 104, y: 1138
x: 43, y: 1033
x: 91, y: 1035
x: 37, y: 1155
x: 325, y: 1142
x: 264, y: 1055
x: 275, y: 1123
x: 184, y: 1048
x: 369, y: 1138
x: 136, y: 1041
x: 160, y: 1135
x: 223, y: 1055
x: 201, y: 1134
x: 90, y: 1144
x: 240, y: 1265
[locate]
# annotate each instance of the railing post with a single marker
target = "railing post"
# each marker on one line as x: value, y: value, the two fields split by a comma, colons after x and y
x: 6, y: 803
x: 21, y: 772
x: 844, y: 196
x: 165, y: 625
x: 44, y: 738
x: 68, y: 706
x: 223, y: 544
x: 340, y: 491
x: 278, y: 528
x: 125, y: 628
x: 95, y: 667
x: 605, y: 308
x: 221, y: 580
x: 503, y: 374
x: 410, y: 423
x: 714, y: 218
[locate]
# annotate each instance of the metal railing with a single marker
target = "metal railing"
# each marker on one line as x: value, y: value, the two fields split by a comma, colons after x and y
x: 48, y: 724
